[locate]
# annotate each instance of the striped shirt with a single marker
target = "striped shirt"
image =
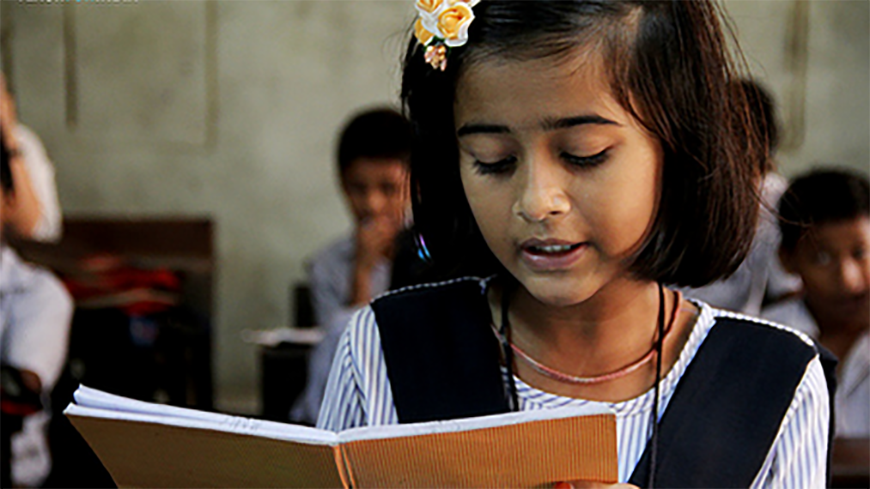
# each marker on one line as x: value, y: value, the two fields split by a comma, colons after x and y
x: 358, y: 393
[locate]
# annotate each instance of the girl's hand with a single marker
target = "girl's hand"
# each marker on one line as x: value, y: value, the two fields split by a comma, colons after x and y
x: 592, y: 485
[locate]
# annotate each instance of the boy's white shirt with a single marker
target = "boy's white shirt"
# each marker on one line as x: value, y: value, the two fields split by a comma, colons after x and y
x: 852, y: 400
x: 41, y: 172
x: 35, y: 312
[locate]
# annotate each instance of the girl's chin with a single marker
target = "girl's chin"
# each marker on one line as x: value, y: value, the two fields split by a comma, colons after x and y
x: 556, y: 295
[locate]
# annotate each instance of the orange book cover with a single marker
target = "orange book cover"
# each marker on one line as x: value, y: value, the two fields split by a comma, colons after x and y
x: 149, y: 445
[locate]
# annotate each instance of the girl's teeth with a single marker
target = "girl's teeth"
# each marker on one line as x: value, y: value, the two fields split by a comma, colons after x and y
x: 553, y: 248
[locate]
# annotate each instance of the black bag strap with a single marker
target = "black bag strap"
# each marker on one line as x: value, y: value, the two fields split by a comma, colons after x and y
x: 441, y: 355
x: 727, y: 409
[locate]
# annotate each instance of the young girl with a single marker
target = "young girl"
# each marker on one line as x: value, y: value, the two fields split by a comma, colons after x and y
x: 572, y: 158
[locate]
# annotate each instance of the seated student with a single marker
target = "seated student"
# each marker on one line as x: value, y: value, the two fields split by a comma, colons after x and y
x: 825, y: 222
x: 372, y: 156
x: 35, y: 308
x: 760, y: 277
x: 34, y: 213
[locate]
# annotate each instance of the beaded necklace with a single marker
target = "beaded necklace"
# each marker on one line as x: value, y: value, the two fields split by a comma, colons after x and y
x: 573, y: 379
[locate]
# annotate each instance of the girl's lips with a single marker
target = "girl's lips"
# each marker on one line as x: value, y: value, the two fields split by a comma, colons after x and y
x: 551, y: 254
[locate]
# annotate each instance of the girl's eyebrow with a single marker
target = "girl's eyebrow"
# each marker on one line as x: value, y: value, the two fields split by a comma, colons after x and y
x: 547, y: 124
x: 566, y: 122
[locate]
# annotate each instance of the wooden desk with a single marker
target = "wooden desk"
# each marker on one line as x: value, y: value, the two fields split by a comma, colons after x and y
x: 851, y: 463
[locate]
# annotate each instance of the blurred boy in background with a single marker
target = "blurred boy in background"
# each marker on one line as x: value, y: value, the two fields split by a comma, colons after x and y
x: 825, y: 223
x: 35, y: 308
x: 373, y: 157
x: 33, y: 211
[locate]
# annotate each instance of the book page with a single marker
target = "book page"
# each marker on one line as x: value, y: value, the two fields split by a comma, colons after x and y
x: 143, y: 454
x: 151, y: 445
x: 468, y: 424
x: 96, y: 403
x: 526, y: 449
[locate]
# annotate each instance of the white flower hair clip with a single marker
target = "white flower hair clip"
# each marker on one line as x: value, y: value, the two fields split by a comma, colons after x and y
x: 443, y: 24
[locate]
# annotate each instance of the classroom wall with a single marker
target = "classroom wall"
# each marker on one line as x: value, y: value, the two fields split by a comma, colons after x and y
x: 815, y: 57
x: 228, y: 109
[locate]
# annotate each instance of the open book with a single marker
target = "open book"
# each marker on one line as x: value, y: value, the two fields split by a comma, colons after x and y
x: 151, y: 445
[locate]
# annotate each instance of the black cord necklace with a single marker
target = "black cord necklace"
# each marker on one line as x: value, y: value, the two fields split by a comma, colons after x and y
x: 513, y: 399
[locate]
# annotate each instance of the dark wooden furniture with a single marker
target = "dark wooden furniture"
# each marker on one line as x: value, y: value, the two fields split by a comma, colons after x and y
x: 160, y: 356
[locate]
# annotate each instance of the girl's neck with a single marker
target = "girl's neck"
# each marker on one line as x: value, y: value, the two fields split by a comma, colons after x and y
x: 613, y: 314
x: 605, y: 333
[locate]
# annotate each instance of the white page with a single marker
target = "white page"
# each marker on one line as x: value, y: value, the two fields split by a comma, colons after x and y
x: 93, y: 398
x: 98, y: 404
x: 274, y: 337
x: 468, y: 424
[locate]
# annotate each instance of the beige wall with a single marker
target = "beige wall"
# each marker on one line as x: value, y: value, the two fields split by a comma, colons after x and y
x: 229, y: 110
x: 824, y: 106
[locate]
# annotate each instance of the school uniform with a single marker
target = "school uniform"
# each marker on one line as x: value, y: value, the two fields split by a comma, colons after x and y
x: 852, y: 401
x: 360, y: 391
x: 35, y: 315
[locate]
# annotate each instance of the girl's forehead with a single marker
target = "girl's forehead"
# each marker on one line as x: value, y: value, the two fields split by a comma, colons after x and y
x: 525, y: 90
x: 582, y: 61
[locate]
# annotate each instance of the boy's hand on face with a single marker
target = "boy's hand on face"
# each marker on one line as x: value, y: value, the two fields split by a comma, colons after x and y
x: 375, y: 240
x: 8, y: 117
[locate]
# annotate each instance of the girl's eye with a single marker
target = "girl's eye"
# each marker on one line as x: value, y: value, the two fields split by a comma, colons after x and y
x: 498, y: 167
x: 586, y: 161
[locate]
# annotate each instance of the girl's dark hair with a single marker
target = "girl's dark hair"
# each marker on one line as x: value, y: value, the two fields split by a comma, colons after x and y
x: 669, y: 66
x: 819, y: 197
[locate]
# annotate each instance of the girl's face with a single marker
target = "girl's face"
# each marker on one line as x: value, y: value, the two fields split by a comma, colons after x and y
x: 562, y: 181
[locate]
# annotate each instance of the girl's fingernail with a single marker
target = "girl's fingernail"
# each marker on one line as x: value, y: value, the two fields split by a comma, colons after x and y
x: 563, y: 485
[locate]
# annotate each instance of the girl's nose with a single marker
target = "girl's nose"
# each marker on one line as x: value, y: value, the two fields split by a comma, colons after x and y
x: 542, y: 194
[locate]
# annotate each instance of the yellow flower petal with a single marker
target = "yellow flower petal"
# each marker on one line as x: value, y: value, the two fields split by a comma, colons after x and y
x: 429, y: 6
x: 420, y: 32
x: 451, y: 20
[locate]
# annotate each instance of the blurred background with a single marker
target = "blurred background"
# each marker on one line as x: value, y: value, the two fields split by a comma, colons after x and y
x: 224, y: 112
